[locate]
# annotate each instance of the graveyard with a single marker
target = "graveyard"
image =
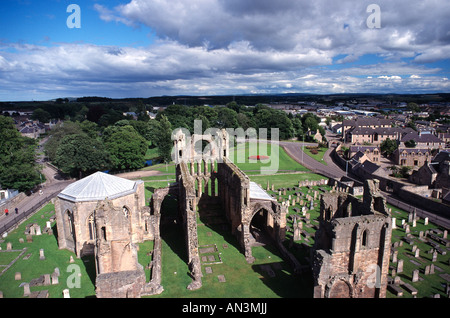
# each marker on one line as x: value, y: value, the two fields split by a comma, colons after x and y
x: 32, y: 265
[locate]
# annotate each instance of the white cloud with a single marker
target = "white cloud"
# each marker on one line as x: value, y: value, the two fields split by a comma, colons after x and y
x: 241, y: 46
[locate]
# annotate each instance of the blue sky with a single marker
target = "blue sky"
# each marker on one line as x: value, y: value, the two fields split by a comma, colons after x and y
x: 142, y: 48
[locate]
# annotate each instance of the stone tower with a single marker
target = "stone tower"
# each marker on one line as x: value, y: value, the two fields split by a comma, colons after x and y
x: 352, y: 245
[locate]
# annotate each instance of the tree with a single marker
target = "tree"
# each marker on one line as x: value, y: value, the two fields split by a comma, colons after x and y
x: 80, y: 155
x: 18, y: 169
x: 57, y: 134
x: 388, y: 146
x: 163, y: 139
x: 126, y: 147
x: 41, y: 115
x: 410, y: 144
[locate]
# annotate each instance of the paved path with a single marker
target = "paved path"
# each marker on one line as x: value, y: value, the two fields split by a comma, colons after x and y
x: 294, y: 150
x: 52, y: 186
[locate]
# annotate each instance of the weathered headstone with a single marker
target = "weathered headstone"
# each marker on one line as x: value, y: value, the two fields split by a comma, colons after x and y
x: 18, y: 276
x: 415, y: 275
x: 394, y: 223
x: 434, y: 258
x: 41, y: 254
x: 66, y: 293
x: 26, y: 289
x: 400, y: 266
x: 55, y: 280
x: 9, y: 246
x: 394, y: 256
x: 47, y: 280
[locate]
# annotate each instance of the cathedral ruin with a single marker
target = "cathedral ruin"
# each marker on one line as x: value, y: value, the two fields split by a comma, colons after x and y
x: 107, y: 216
x: 352, y: 245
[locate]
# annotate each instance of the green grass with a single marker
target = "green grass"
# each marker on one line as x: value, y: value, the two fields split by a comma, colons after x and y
x: 279, y: 160
x: 34, y: 267
x: 319, y: 156
x: 431, y: 284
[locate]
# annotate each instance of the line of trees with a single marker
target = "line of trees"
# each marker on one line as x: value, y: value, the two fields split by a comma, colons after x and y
x: 97, y: 136
x: 18, y: 168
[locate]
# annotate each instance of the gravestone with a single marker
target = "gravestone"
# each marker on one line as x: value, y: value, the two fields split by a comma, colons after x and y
x: 400, y: 266
x: 434, y: 256
x: 41, y: 254
x: 394, y: 256
x: 417, y: 254
x: 9, y: 246
x: 425, y: 221
x: 208, y: 270
x: 410, y: 289
x: 415, y: 275
x: 66, y: 293
x: 47, y: 280
x: 55, y: 279
x: 394, y: 223
x: 26, y: 289
x: 221, y: 278
x: 18, y: 276
x: 29, y: 238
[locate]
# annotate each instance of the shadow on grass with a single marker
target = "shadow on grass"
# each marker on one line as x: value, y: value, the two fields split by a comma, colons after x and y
x: 281, y: 279
x: 89, y: 264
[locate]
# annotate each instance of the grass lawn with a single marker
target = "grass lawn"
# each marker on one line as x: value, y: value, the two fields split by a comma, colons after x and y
x: 279, y: 160
x: 319, y: 156
x: 33, y: 267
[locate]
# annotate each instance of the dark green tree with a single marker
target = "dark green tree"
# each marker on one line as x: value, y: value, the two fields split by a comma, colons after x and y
x: 80, y: 155
x: 18, y: 169
x: 57, y: 134
x: 164, y: 139
x: 41, y: 115
x: 388, y: 146
x: 126, y: 147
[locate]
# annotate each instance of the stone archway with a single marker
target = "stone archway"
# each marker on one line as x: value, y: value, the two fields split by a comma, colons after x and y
x: 340, y: 289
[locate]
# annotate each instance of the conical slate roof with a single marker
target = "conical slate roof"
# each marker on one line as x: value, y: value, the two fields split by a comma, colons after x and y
x: 98, y: 186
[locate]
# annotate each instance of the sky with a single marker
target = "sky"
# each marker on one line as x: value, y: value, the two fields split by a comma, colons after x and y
x: 145, y: 48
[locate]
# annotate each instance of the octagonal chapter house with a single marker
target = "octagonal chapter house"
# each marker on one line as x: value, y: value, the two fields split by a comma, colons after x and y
x: 78, y: 206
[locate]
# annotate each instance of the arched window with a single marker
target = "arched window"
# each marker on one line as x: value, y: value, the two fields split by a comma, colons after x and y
x: 69, y: 216
x: 126, y: 212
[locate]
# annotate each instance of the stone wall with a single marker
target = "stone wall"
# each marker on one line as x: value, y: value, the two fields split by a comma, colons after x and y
x: 351, y: 244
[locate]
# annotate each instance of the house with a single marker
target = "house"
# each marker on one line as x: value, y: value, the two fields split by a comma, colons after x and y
x: 364, y: 122
x: 371, y: 153
x: 412, y: 157
x: 423, y: 140
x: 32, y: 129
x: 337, y: 129
x: 426, y: 175
x: 445, y: 137
x: 375, y: 136
x: 441, y: 163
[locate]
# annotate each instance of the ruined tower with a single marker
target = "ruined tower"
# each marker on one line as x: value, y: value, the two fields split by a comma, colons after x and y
x: 352, y: 245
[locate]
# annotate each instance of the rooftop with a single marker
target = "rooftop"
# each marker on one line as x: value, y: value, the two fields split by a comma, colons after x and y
x: 256, y: 192
x: 98, y: 186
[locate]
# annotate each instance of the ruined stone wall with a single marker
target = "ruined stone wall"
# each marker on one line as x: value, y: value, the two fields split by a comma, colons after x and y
x: 352, y: 247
